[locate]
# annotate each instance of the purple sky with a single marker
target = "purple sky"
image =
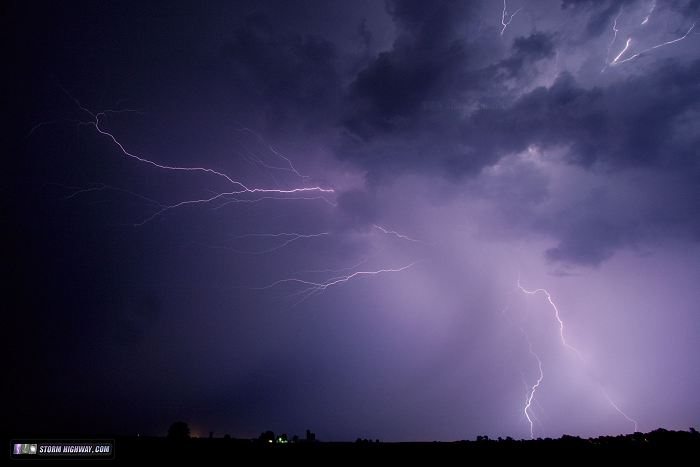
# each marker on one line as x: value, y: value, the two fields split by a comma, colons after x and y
x: 462, y: 155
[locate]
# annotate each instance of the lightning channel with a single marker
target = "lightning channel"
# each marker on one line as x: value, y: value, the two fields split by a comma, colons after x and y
x: 223, y: 196
x: 619, y: 410
x: 533, y: 388
x: 578, y: 354
x: 335, y: 280
x: 614, y: 38
x: 77, y: 191
x: 396, y: 234
x: 556, y: 315
x: 617, y: 60
x: 96, y: 122
x: 290, y: 166
x: 505, y: 14
x: 652, y: 7
x: 622, y: 52
x: 291, y: 237
x: 311, y: 288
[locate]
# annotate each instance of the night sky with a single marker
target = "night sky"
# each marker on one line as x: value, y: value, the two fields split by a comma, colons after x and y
x: 362, y: 218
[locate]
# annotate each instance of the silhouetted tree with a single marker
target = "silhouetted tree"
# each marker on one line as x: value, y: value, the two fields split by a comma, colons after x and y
x: 310, y: 436
x: 267, y: 437
x: 179, y: 430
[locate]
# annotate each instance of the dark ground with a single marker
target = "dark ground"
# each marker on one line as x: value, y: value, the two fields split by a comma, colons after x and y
x: 661, y: 445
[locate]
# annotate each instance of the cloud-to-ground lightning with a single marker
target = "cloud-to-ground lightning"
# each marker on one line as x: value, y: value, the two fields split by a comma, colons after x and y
x: 395, y: 234
x: 616, y: 407
x: 617, y: 60
x: 578, y: 354
x: 504, y: 14
x: 556, y: 315
x: 533, y: 388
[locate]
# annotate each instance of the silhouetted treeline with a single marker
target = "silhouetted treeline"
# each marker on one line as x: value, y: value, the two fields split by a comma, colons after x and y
x: 278, y: 447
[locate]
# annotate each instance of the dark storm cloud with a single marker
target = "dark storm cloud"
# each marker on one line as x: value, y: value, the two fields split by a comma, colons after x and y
x: 688, y: 7
x: 601, y: 12
x: 594, y: 229
x: 439, y: 102
x: 588, y: 237
x: 391, y: 105
x: 526, y: 51
x: 386, y: 96
x: 359, y: 208
x: 534, y: 47
x: 286, y: 76
x: 412, y: 109
x: 404, y: 110
x: 485, y: 148
x: 621, y: 125
x: 429, y: 26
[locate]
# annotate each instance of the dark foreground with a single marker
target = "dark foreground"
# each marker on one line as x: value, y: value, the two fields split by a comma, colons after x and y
x: 659, y: 443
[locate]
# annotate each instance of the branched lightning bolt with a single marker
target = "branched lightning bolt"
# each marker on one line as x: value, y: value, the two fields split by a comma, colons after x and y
x: 533, y: 415
x: 229, y: 199
x: 291, y: 238
x: 622, y: 52
x: 335, y: 280
x: 556, y: 315
x: 578, y: 354
x: 290, y: 166
x: 241, y: 187
x: 612, y: 41
x: 313, y: 287
x: 335, y: 271
x: 223, y: 196
x: 103, y: 187
x: 255, y: 159
x: 617, y: 60
x: 239, y: 194
x: 533, y: 389
x: 47, y: 123
x: 395, y: 233
x: 510, y: 18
